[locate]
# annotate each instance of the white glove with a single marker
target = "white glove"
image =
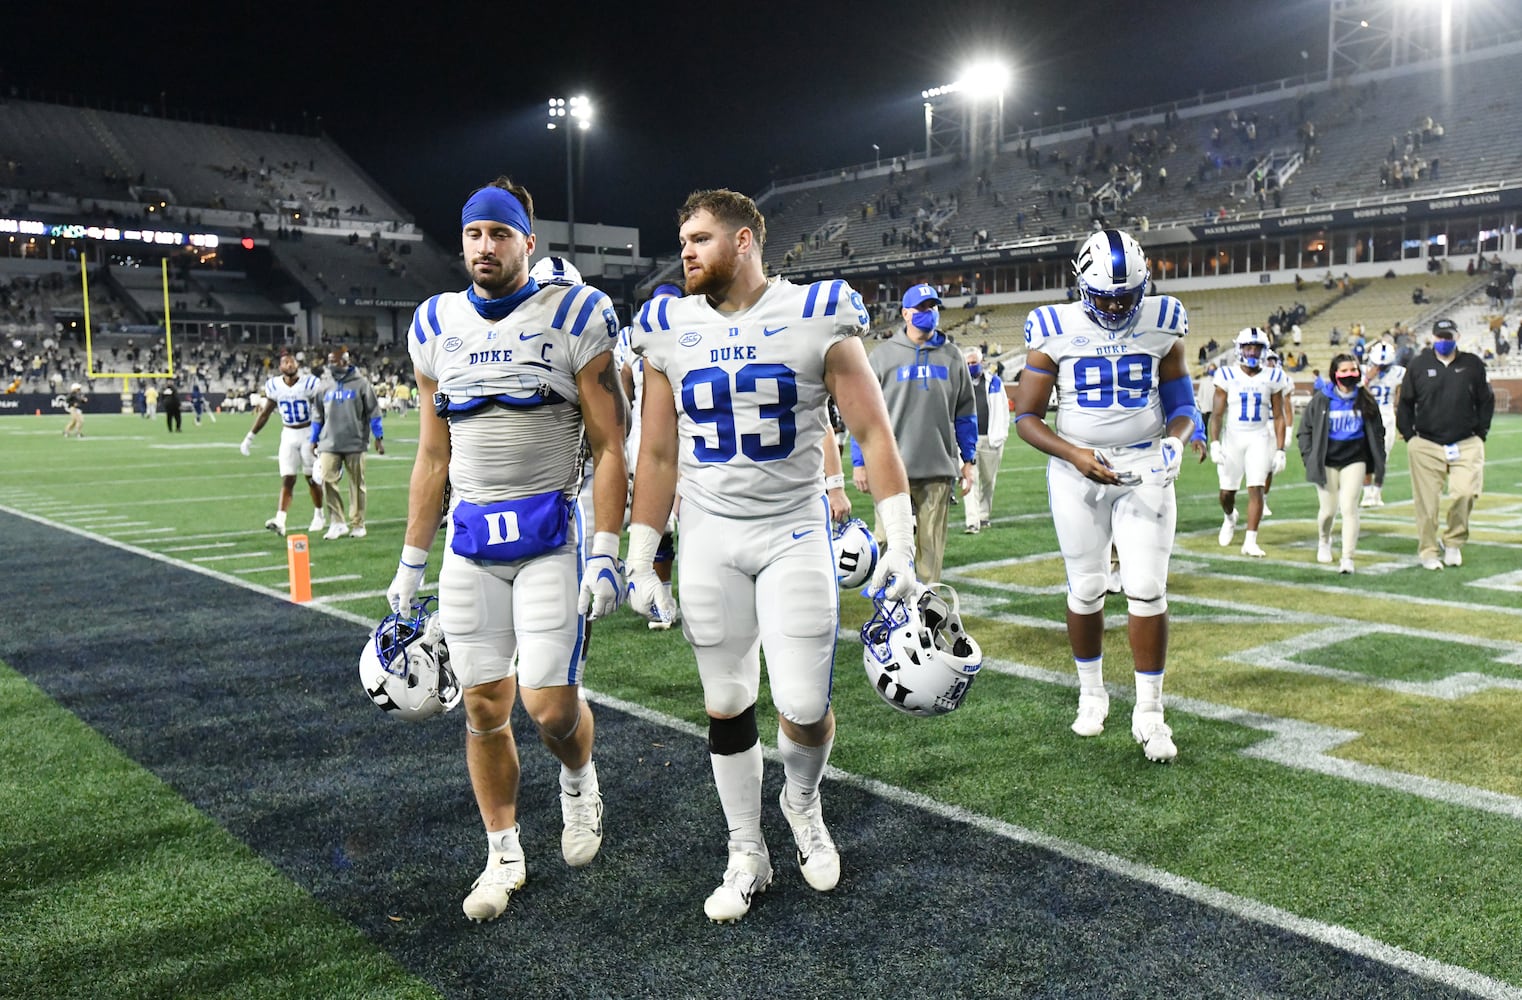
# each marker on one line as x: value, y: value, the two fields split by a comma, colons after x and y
x: 1215, y: 452
x: 602, y: 585
x: 647, y: 595
x: 1279, y: 461
x: 408, y: 579
x: 1172, y: 459
x: 893, y: 580
x: 247, y: 445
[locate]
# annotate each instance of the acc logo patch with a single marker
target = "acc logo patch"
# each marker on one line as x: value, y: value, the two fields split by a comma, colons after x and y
x: 691, y: 339
x: 453, y: 344
x: 1080, y: 341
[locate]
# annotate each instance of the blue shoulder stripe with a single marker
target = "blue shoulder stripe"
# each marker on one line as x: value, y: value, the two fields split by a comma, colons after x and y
x: 835, y: 287
x: 564, y: 309
x: 810, y: 299
x: 430, y: 311
x: 1052, y: 329
x: 587, y: 310
x: 654, y: 311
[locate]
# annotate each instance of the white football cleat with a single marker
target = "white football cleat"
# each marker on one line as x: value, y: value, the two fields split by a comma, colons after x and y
x: 748, y: 874
x: 1093, y: 709
x: 1266, y: 511
x: 1228, y: 528
x: 1156, y: 739
x: 1324, y: 552
x: 581, y: 835
x: 1367, y: 500
x: 275, y: 525
x: 817, y: 857
x: 1253, y: 549
x: 1346, y: 566
x: 489, y: 894
x: 336, y: 530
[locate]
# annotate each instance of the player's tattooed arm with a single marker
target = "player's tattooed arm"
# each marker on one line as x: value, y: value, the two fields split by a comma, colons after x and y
x: 607, y: 377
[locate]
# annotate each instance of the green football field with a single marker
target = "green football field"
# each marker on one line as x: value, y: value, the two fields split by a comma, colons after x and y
x: 1348, y: 744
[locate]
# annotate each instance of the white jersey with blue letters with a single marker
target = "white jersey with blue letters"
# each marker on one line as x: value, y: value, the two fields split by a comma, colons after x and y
x: 293, y: 401
x: 1107, y: 382
x: 749, y: 391
x: 1250, y: 398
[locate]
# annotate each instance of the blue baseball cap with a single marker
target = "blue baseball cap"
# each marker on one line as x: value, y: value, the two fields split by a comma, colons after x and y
x: 919, y: 295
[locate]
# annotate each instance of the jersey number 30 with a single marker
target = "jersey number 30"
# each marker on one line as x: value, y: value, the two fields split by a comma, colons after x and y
x: 1100, y: 383
x: 720, y: 412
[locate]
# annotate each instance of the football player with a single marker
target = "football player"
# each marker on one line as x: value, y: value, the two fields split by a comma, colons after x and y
x: 1125, y: 406
x: 521, y: 381
x: 292, y: 393
x: 1382, y: 377
x: 1247, y: 432
x: 736, y: 375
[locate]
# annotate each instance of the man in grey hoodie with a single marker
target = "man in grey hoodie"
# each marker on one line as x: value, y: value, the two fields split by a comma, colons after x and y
x: 934, y: 413
x: 344, y: 415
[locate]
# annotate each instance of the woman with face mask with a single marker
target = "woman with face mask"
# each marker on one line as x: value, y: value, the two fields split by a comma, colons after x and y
x: 1341, y: 438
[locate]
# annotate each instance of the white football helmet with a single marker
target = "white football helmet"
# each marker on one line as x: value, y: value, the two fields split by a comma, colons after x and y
x: 918, y: 657
x: 855, y: 552
x: 405, y: 665
x: 1383, y: 354
x: 1110, y: 266
x: 1252, y: 335
x: 555, y: 271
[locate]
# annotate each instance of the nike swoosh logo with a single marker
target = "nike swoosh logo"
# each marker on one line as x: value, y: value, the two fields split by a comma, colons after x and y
x: 530, y: 336
x: 800, y: 534
x: 772, y: 333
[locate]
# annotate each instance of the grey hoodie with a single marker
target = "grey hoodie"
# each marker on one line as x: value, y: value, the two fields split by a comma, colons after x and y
x: 928, y: 391
x: 345, y: 406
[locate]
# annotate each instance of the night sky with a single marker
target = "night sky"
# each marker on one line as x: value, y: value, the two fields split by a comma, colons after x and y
x: 686, y: 96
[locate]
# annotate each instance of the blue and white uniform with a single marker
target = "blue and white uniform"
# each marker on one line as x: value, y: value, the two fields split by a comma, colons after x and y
x: 1247, y: 423
x: 508, y: 388
x: 754, y: 552
x: 1383, y: 382
x: 293, y: 401
x: 1108, y: 400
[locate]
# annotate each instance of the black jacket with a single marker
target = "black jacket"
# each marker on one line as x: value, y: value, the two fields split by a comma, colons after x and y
x: 1442, y: 403
x: 1315, y: 422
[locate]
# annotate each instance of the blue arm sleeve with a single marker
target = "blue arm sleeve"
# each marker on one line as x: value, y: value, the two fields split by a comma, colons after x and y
x: 1178, y: 401
x: 316, y: 430
x: 376, y: 428
x: 857, y: 460
x: 967, y: 436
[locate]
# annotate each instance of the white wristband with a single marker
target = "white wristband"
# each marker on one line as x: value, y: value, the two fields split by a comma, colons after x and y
x: 643, y: 541
x: 414, y: 557
x: 897, y: 516
x: 604, y: 543
x: 835, y: 482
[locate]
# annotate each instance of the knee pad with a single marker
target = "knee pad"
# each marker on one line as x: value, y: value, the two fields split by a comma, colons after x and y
x: 731, y: 736
x: 1086, y: 594
x: 1147, y: 607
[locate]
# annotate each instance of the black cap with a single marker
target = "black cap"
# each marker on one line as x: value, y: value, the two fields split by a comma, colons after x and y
x: 1445, y: 329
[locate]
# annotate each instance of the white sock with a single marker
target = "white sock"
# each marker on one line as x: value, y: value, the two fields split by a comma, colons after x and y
x: 1091, y: 679
x: 737, y: 776
x: 1149, y: 692
x: 572, y: 782
x: 803, y: 769
x: 280, y: 518
x: 1252, y: 538
x: 504, y: 841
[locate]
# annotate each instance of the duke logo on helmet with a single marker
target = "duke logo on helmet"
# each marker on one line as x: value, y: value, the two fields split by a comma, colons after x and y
x: 855, y: 553
x: 918, y: 657
x: 405, y: 665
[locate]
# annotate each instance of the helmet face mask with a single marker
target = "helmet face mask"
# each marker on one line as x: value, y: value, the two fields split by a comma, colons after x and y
x: 918, y: 657
x: 404, y: 666
x: 1112, y: 278
x: 855, y: 553
x: 1249, y: 337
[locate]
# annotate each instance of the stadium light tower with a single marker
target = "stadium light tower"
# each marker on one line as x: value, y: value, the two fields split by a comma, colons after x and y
x: 570, y: 117
x: 977, y: 95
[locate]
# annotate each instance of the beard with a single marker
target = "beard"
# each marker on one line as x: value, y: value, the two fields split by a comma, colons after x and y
x: 509, y: 274
x: 715, y: 276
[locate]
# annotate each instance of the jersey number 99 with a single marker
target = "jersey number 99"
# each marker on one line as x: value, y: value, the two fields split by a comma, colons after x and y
x: 1102, y: 383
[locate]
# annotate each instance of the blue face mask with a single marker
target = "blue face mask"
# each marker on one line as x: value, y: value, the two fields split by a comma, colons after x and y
x: 925, y: 320
x: 1443, y: 348
x: 974, y: 370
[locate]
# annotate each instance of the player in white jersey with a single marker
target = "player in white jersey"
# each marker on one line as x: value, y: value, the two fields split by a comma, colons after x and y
x: 521, y: 382
x: 736, y: 376
x: 1247, y: 433
x: 1124, y: 407
x: 1382, y: 377
x: 292, y: 394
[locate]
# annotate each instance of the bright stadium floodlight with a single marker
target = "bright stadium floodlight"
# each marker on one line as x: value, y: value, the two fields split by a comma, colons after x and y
x: 985, y: 78
x: 562, y: 112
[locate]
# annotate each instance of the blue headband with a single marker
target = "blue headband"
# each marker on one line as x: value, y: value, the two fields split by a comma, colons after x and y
x: 493, y: 204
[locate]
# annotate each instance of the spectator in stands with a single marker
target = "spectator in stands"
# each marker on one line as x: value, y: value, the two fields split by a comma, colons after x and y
x: 1443, y: 414
x: 934, y: 419
x: 345, y: 414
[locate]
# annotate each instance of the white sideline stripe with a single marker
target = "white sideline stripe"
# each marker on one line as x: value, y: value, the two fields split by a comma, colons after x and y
x: 1249, y: 909
x: 97, y: 519
x: 203, y: 545
x: 232, y: 555
x: 278, y: 568
x: 1331, y: 934
x: 146, y: 531
x: 338, y: 579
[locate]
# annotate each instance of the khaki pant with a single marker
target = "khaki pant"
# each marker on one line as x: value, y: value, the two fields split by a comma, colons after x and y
x: 930, y: 498
x: 977, y: 505
x: 330, y: 465
x: 1465, y: 476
